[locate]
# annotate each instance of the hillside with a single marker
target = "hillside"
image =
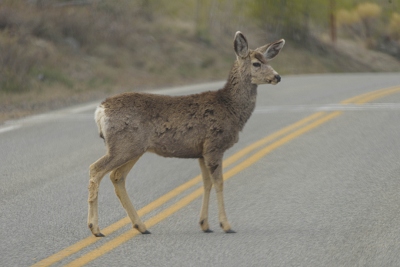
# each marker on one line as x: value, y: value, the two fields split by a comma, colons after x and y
x: 59, y: 55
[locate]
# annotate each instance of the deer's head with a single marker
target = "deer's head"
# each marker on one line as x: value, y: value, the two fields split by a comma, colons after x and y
x: 258, y: 60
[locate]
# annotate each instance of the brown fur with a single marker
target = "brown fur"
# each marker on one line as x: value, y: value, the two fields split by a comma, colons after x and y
x: 200, y: 126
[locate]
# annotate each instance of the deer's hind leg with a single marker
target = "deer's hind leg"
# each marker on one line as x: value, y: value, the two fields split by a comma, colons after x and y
x: 118, y: 177
x: 206, y: 197
x: 97, y: 171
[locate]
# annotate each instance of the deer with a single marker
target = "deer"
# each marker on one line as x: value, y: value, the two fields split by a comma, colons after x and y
x: 198, y: 126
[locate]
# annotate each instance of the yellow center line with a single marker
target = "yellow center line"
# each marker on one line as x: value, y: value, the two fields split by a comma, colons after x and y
x: 379, y: 94
x: 257, y: 156
x: 269, y: 138
x: 368, y: 97
x: 186, y: 200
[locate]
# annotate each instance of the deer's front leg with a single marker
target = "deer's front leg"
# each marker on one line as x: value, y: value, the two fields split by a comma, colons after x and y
x: 118, y: 178
x: 214, y: 166
x: 206, y: 197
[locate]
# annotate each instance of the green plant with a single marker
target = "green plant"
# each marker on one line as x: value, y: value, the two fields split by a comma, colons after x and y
x: 52, y: 75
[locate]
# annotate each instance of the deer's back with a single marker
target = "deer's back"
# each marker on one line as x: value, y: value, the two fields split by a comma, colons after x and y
x: 184, y: 126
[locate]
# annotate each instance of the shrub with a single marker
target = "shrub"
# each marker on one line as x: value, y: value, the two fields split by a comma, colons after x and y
x: 16, y: 62
x: 347, y: 18
x: 394, y: 26
x: 368, y: 11
x: 361, y: 20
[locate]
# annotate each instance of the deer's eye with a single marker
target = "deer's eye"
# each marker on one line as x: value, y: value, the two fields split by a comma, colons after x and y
x: 256, y: 64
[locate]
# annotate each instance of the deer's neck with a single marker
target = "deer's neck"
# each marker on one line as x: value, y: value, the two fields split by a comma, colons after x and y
x: 240, y: 94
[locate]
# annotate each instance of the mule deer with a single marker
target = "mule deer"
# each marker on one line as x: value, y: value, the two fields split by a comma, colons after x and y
x: 199, y: 126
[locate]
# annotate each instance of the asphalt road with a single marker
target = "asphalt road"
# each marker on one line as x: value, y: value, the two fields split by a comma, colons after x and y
x: 324, y: 192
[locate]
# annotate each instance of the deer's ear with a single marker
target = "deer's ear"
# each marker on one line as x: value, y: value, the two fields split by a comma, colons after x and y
x: 274, y: 49
x: 240, y: 45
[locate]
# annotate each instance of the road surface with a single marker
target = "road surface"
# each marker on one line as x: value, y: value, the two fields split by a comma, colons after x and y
x: 313, y: 181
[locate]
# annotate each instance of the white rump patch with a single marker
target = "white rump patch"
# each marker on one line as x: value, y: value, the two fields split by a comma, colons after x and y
x: 100, y: 118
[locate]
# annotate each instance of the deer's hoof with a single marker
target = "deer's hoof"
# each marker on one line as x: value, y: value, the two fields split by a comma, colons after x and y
x: 208, y: 231
x: 142, y: 229
x: 230, y: 231
x: 99, y: 235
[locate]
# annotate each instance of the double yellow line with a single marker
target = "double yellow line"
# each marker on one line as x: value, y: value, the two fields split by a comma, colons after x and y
x: 272, y: 142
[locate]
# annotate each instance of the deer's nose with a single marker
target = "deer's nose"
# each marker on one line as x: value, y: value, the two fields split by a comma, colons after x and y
x: 278, y: 78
